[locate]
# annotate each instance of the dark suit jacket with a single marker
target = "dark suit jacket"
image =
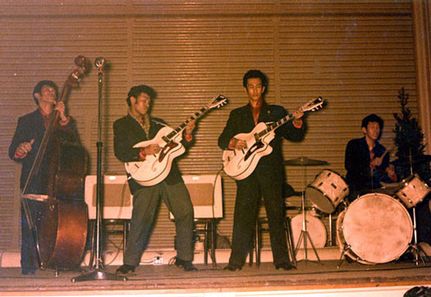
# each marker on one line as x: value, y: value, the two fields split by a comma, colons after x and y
x: 31, y: 126
x: 128, y: 132
x: 357, y: 163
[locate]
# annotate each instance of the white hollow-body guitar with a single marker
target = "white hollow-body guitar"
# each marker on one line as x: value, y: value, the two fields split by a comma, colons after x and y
x: 155, y: 168
x: 239, y: 164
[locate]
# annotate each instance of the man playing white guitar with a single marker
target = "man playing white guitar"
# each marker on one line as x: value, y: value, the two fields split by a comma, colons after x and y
x: 139, y: 126
x: 266, y: 179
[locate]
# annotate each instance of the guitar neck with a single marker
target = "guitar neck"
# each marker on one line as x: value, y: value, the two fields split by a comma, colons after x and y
x: 275, y: 125
x: 183, y: 125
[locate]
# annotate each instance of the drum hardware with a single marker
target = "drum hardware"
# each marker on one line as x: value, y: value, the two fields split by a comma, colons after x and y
x: 304, y: 236
x: 316, y: 212
x: 330, y: 243
x: 304, y: 161
x: 415, y: 248
x: 413, y: 190
x: 315, y: 227
x: 410, y: 162
x: 389, y: 188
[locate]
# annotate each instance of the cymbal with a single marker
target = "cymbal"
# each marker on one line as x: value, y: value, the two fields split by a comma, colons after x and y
x: 417, y: 160
x: 304, y: 161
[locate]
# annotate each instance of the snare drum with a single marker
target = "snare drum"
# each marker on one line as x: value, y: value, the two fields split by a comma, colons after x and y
x: 315, y: 228
x: 375, y: 228
x: 327, y: 190
x: 413, y: 190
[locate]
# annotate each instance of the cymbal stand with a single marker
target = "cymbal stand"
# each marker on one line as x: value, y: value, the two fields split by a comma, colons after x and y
x: 98, y: 272
x: 416, y: 250
x: 346, y: 246
x: 304, y: 236
x: 330, y: 243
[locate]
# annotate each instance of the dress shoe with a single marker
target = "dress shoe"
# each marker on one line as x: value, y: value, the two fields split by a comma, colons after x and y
x: 285, y: 266
x: 185, y: 265
x: 125, y: 269
x: 233, y: 267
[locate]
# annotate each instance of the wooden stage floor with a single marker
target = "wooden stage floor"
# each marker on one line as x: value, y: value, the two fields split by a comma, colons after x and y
x: 214, y: 281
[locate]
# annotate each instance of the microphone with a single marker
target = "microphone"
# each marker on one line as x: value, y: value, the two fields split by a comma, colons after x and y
x: 99, y: 62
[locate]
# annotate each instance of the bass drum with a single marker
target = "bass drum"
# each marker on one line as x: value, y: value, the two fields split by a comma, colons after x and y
x: 315, y: 227
x: 375, y: 228
x: 341, y: 242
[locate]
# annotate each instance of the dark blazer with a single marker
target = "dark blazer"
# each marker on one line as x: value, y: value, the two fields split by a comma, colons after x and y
x: 357, y: 163
x: 128, y: 132
x: 241, y: 121
x: 32, y: 126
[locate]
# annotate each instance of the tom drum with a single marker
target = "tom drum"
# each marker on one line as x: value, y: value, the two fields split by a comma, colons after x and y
x: 327, y: 191
x: 413, y: 191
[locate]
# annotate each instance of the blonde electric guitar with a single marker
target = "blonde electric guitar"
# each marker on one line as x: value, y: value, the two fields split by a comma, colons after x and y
x: 155, y: 168
x: 239, y: 164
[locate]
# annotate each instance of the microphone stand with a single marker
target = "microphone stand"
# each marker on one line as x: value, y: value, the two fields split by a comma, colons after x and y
x: 98, y: 272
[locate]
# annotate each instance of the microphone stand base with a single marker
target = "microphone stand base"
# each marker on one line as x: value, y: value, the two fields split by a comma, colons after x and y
x: 98, y: 274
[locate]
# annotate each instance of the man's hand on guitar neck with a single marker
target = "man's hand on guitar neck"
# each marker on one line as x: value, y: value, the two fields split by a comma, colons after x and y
x: 297, y: 121
x: 188, y: 131
x: 152, y: 149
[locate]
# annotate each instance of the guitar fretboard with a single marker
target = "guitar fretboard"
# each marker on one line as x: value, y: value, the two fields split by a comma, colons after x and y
x: 181, y: 127
x: 313, y: 105
x: 274, y: 125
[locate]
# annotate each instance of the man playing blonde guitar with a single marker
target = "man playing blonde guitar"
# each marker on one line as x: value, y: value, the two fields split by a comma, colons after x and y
x: 136, y: 127
x: 266, y: 179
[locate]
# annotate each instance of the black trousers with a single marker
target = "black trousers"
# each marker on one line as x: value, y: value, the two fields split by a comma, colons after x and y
x: 29, y: 256
x: 267, y: 184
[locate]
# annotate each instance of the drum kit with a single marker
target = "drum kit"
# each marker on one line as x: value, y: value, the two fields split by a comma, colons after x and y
x: 375, y: 228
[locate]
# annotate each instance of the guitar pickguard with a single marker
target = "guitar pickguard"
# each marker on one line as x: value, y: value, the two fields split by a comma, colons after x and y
x: 166, y: 150
x: 258, y: 145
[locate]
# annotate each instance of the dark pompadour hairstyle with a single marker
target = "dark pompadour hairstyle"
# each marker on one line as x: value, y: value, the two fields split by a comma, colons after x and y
x: 255, y: 74
x: 137, y: 90
x: 39, y: 85
x: 372, y: 118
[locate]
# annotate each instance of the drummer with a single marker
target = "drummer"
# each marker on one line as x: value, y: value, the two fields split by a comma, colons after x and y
x: 367, y: 160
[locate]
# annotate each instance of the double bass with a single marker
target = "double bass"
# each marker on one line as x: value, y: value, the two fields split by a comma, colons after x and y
x: 61, y: 233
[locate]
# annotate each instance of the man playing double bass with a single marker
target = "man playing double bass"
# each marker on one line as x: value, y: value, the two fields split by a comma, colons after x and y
x: 24, y: 147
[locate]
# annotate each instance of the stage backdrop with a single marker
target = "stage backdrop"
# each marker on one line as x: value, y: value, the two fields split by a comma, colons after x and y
x: 355, y: 54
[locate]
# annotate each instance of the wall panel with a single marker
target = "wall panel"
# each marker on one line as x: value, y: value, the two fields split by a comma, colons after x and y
x: 358, y: 64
